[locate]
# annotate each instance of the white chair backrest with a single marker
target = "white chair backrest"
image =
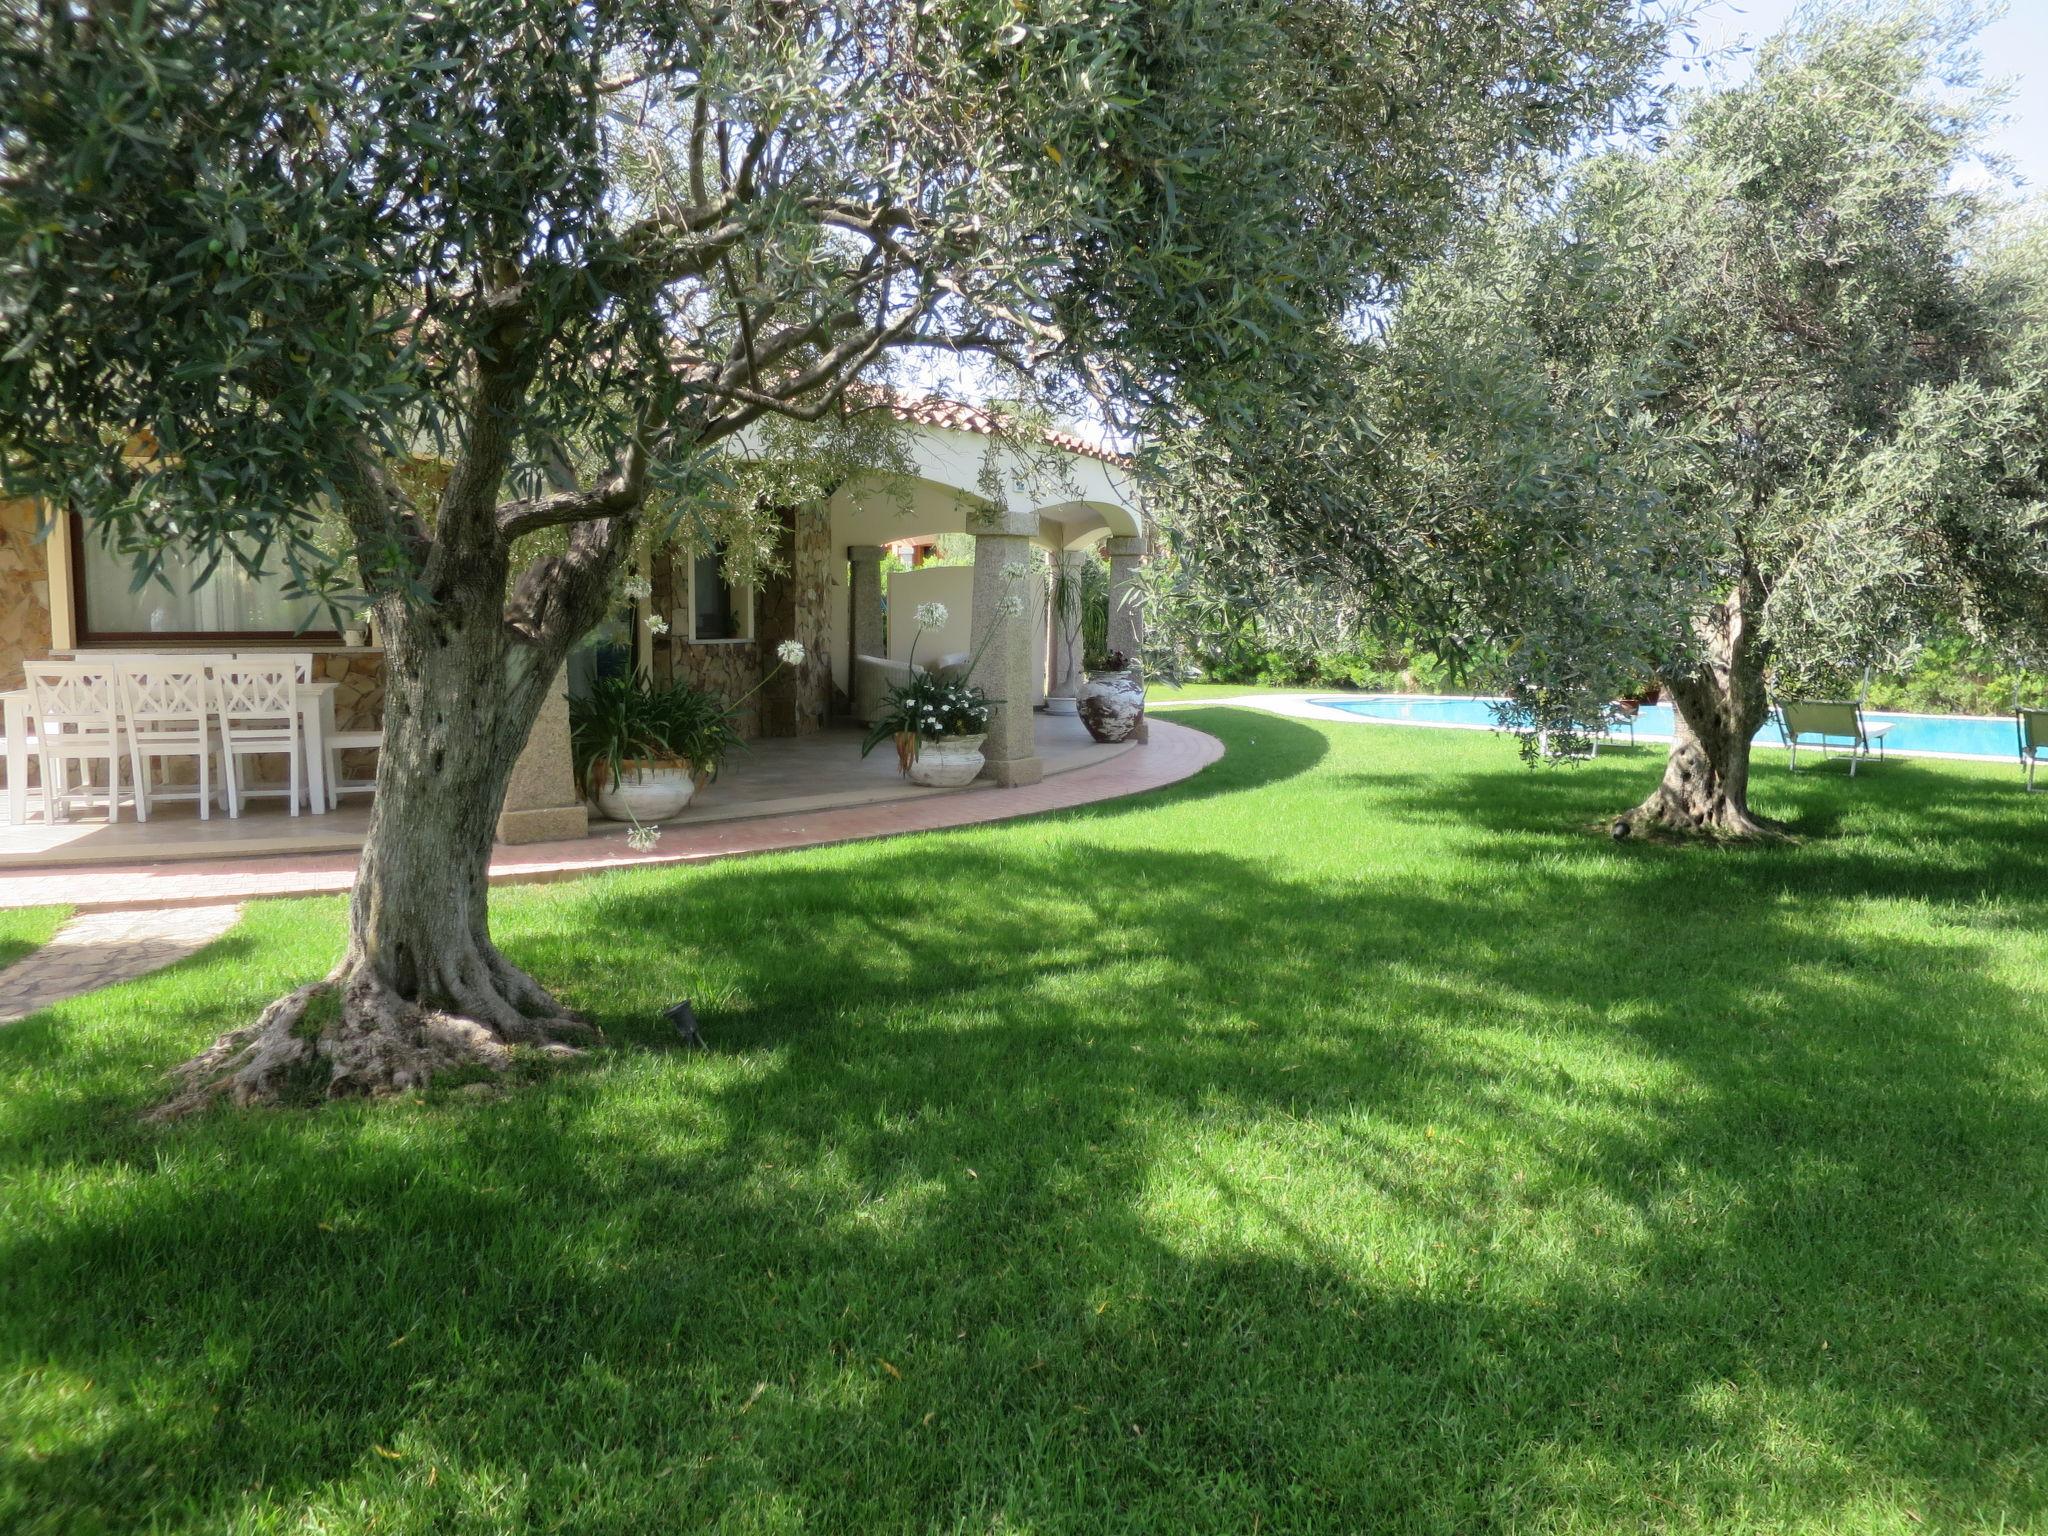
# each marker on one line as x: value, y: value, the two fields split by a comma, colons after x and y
x: 73, y: 696
x: 301, y: 661
x: 111, y: 658
x: 256, y: 693
x: 166, y: 692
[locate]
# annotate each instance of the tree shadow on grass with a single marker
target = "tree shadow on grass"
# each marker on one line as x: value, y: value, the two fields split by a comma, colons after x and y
x: 1921, y: 831
x: 1018, y: 1195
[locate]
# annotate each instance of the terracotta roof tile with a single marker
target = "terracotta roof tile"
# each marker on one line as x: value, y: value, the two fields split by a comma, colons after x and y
x: 958, y: 416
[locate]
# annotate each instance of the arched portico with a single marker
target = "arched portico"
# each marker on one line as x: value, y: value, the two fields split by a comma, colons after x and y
x: 1013, y: 502
x: 955, y: 472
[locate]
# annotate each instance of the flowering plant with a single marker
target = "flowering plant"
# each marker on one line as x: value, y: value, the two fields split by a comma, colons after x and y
x: 931, y: 708
x: 622, y: 721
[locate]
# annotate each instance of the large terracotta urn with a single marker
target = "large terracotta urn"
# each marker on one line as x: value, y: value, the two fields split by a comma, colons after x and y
x: 1112, y: 703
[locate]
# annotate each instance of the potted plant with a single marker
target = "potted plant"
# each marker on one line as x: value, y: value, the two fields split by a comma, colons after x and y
x: 939, y: 720
x: 1112, y: 700
x: 642, y: 750
x: 938, y: 723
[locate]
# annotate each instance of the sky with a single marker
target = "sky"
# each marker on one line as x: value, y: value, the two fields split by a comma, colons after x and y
x: 2015, y: 49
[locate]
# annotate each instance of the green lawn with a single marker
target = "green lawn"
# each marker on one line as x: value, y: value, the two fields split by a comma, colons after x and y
x: 1202, y: 693
x: 1343, y: 1141
x: 28, y: 928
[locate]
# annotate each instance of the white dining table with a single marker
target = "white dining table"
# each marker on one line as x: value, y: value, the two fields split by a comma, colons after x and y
x: 316, y: 721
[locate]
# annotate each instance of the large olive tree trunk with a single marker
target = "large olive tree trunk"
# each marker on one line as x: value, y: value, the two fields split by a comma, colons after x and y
x: 421, y: 990
x: 1720, y: 704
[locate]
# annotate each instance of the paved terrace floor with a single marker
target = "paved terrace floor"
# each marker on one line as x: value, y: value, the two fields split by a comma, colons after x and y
x: 771, y: 777
x: 777, y: 795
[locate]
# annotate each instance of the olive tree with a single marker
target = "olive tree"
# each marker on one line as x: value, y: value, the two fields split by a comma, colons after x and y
x: 1747, y: 401
x: 1790, y: 303
x: 496, y: 283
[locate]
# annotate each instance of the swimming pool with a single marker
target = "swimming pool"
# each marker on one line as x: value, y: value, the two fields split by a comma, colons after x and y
x: 1976, y: 736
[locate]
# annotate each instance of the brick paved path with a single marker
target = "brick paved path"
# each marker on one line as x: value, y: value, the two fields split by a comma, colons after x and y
x: 98, y: 949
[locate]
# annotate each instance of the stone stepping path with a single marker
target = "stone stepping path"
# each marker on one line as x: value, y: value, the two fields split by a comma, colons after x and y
x: 99, y: 949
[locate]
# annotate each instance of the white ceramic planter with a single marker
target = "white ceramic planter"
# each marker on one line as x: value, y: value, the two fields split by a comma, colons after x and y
x: 1111, y: 704
x: 651, y: 792
x: 1058, y: 704
x: 948, y: 762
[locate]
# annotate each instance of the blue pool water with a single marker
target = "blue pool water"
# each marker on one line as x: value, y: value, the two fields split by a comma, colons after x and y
x: 1923, y: 735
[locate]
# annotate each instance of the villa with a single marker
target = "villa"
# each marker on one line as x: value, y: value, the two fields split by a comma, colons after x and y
x: 1053, y: 499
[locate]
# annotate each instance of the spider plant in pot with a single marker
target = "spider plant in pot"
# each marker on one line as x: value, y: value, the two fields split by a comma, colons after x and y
x: 643, y: 749
x: 1077, y: 587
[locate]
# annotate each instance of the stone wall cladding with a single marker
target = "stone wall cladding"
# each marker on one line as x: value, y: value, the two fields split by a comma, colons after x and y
x: 792, y: 604
x: 358, y: 700
x: 728, y: 669
x: 24, y: 592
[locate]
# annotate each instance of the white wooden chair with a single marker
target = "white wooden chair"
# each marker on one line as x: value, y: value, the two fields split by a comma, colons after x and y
x: 302, y: 668
x: 339, y: 742
x: 168, y: 703
x: 78, y: 721
x: 258, y: 705
x: 31, y: 746
x: 335, y: 741
x: 302, y: 661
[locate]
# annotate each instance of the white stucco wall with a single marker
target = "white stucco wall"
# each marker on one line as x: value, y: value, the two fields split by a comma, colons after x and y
x: 952, y: 585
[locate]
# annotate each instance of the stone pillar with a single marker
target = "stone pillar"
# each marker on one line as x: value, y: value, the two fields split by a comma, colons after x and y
x: 1064, y: 677
x: 541, y: 803
x: 864, y: 604
x: 1001, y: 544
x: 1126, y: 619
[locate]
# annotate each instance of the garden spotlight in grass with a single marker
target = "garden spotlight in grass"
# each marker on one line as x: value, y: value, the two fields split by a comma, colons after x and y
x: 684, y: 1018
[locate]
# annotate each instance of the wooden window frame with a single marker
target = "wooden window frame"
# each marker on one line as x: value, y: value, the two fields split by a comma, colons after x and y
x: 747, y: 594
x: 88, y: 638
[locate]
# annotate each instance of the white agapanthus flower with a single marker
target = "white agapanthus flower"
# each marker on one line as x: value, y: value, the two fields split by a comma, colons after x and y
x: 1010, y: 607
x: 656, y: 624
x: 790, y: 653
x: 931, y: 615
x: 642, y: 838
x: 637, y: 589
x: 1015, y: 570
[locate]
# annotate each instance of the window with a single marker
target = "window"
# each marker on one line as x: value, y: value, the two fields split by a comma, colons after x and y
x: 718, y: 609
x: 229, y: 602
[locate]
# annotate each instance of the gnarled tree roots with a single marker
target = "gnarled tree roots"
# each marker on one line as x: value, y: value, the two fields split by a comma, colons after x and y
x: 1698, y: 817
x: 352, y: 1035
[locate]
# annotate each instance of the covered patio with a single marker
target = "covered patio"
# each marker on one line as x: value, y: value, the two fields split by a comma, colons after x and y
x: 1027, y: 504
